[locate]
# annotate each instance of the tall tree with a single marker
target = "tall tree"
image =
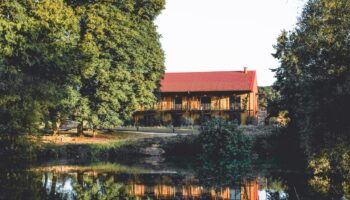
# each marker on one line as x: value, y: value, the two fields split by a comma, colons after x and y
x: 37, y: 41
x: 314, y: 75
x: 97, y: 61
x: 123, y: 60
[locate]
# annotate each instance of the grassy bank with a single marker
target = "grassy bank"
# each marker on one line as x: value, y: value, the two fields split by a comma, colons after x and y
x: 126, y: 145
x: 105, y: 146
x: 112, y: 145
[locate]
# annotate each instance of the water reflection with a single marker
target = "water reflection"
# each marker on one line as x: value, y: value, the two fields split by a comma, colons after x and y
x: 130, y: 181
x: 68, y: 183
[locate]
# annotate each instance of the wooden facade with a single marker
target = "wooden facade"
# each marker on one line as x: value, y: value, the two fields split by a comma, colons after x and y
x: 176, y: 106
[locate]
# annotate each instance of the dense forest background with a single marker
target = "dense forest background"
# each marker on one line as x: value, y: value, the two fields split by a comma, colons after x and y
x: 313, y: 84
x: 313, y: 79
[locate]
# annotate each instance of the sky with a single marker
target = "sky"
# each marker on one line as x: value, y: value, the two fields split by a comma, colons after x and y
x: 224, y: 35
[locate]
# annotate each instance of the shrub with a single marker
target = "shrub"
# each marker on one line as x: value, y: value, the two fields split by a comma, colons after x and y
x: 226, y: 153
x: 222, y: 140
x: 187, y: 121
x: 252, y: 121
x: 272, y: 121
x: 282, y: 119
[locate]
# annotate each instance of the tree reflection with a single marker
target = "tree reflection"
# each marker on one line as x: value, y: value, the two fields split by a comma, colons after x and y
x: 276, y: 189
x: 209, y: 179
x: 228, y: 179
x: 218, y: 174
x: 20, y: 184
x: 101, y: 187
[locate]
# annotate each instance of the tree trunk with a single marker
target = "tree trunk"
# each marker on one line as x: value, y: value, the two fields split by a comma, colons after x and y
x: 46, y: 179
x: 55, y: 127
x: 47, y: 126
x: 53, y: 185
x: 94, y: 131
x: 80, y: 128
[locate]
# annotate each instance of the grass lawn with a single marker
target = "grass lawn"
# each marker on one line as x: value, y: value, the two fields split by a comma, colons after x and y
x: 105, y: 145
x: 99, y: 167
x: 102, y: 137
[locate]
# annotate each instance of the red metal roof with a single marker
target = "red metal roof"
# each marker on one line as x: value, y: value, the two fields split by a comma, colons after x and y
x: 208, y: 81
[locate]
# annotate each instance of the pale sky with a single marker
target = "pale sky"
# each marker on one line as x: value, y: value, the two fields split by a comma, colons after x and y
x: 221, y: 35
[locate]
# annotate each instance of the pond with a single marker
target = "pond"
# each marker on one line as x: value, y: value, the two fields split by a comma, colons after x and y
x: 152, y: 178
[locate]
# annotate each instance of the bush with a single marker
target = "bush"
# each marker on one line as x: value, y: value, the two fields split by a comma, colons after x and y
x: 187, y: 121
x: 282, y: 119
x: 272, y: 121
x: 252, y: 121
x: 222, y: 140
x: 226, y: 154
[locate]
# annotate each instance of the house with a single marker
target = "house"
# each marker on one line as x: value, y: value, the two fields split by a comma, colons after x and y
x: 190, y: 97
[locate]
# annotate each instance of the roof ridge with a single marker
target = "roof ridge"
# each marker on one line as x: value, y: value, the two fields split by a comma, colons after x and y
x: 208, y: 71
x: 208, y: 81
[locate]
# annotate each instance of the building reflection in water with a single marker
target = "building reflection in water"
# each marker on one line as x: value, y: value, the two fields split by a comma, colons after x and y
x: 247, y: 191
x: 156, y: 186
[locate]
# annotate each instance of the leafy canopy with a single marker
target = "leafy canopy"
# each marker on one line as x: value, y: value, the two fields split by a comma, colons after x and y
x: 314, y: 76
x: 37, y: 44
x: 95, y: 61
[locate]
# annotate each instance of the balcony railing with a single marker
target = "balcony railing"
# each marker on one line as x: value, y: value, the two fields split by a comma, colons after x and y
x: 203, y: 106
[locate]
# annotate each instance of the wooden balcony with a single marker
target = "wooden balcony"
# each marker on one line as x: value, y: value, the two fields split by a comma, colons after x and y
x: 204, y: 103
x: 201, y: 107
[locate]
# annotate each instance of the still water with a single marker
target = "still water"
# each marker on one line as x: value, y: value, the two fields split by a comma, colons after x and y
x: 152, y: 179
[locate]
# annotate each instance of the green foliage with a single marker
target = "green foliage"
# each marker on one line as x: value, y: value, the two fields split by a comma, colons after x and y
x: 94, y: 61
x: 252, y: 120
x: 91, y: 152
x: 331, y: 172
x: 17, y: 184
x: 37, y: 41
x: 282, y: 146
x: 226, y: 153
x: 18, y: 150
x: 123, y: 62
x: 222, y: 140
x: 186, y: 121
x: 88, y: 188
x: 269, y: 100
x: 314, y: 76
